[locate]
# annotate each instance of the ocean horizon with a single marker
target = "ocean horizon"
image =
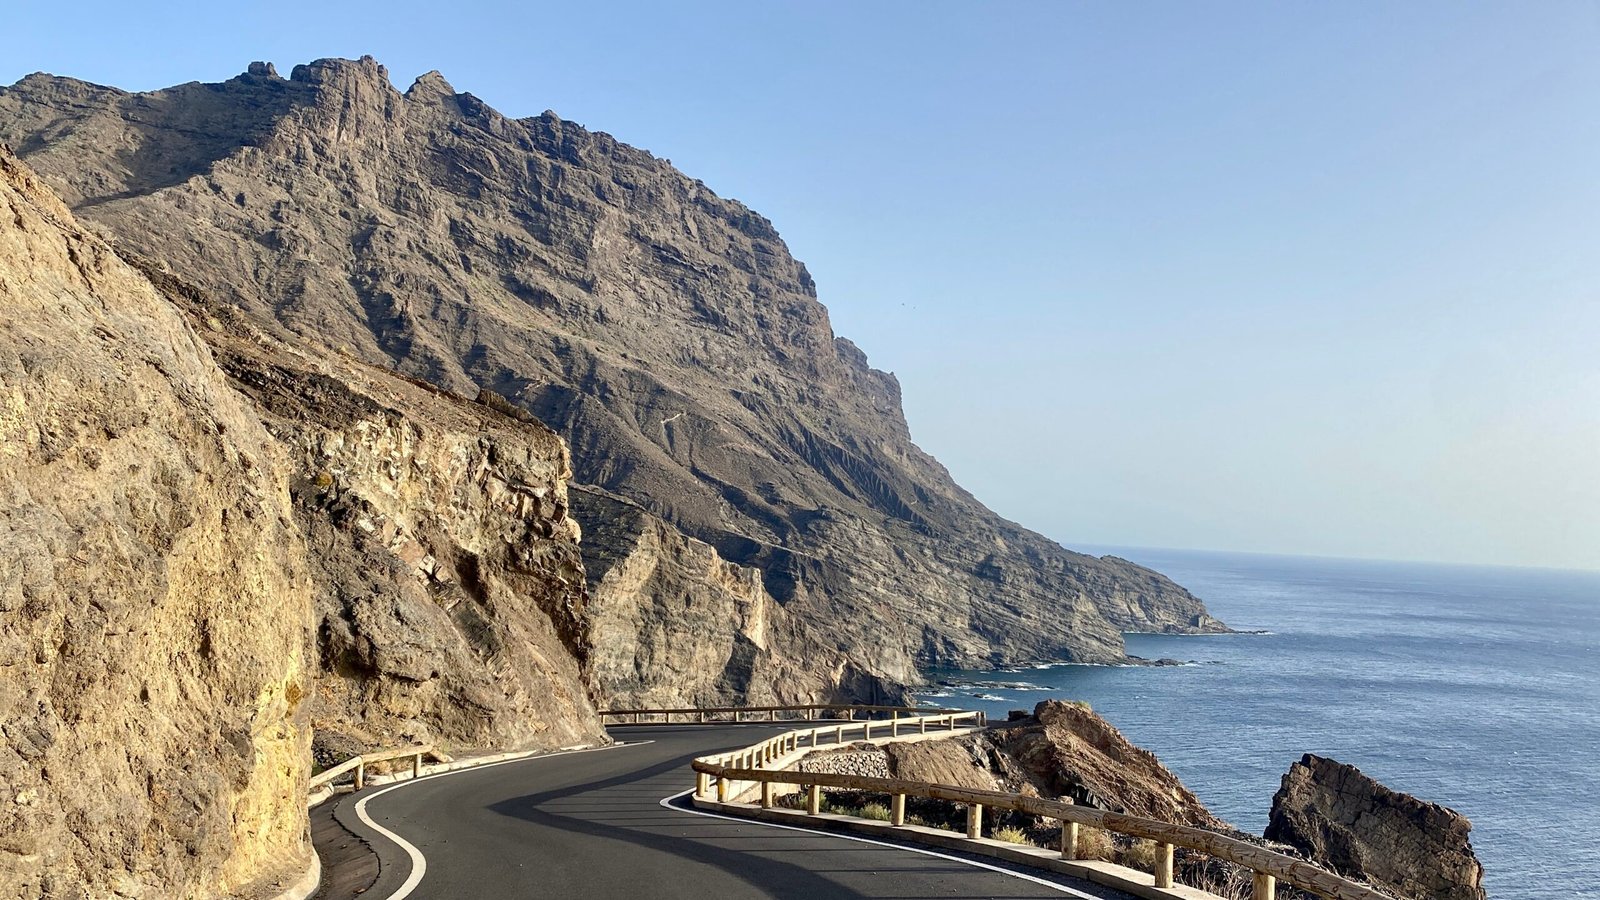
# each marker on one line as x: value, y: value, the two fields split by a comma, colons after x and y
x: 1471, y: 686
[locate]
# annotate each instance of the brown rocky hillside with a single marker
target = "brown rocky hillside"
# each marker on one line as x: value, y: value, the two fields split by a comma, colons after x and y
x: 663, y: 331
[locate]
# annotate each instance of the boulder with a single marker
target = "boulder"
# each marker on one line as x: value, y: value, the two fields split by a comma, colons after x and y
x: 1346, y: 821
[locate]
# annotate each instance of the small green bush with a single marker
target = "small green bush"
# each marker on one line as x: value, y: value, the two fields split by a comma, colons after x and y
x: 875, y: 811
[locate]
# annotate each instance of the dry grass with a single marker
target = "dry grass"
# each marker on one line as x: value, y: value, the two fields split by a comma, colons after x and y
x: 1095, y: 843
x: 1141, y: 855
x: 1010, y: 835
x: 875, y: 811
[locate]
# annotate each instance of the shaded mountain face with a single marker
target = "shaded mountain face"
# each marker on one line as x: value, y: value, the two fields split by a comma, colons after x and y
x: 665, y: 332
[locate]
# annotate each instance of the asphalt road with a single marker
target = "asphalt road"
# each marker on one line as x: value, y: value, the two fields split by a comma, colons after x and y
x: 592, y: 824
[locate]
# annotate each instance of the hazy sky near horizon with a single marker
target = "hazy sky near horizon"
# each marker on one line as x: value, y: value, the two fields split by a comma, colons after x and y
x: 1285, y: 277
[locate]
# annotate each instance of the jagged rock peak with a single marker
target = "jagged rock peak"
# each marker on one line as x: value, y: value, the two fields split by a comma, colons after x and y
x: 262, y: 70
x: 430, y: 84
x: 333, y: 70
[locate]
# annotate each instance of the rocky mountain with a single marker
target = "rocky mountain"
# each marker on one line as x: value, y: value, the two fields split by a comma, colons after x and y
x: 449, y: 594
x: 663, y: 331
x: 155, y: 604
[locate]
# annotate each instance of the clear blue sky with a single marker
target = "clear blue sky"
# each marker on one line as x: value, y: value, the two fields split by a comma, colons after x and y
x: 1288, y: 277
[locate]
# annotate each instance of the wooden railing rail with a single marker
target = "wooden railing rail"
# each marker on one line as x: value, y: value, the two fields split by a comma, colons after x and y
x: 1270, y: 867
x: 360, y: 763
x: 809, y: 711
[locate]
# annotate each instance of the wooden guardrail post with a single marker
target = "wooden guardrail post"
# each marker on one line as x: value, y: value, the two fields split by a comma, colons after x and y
x: 766, y: 795
x: 897, y: 810
x: 974, y: 819
x: 702, y: 784
x: 722, y: 790
x: 361, y: 775
x: 866, y: 729
x: 1069, y: 839
x: 416, y: 766
x: 894, y: 726
x: 1265, y: 887
x: 1163, y: 870
x: 839, y: 737
x: 922, y: 726
x: 814, y: 799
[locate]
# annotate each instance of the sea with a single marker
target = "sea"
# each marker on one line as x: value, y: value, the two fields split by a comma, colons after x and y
x: 1470, y: 686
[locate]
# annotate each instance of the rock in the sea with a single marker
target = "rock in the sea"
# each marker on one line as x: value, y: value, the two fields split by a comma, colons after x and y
x: 155, y: 612
x: 665, y: 332
x: 1344, y: 820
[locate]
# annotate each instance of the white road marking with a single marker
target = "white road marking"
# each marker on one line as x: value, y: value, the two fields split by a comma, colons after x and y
x: 1069, y: 891
x: 419, y: 863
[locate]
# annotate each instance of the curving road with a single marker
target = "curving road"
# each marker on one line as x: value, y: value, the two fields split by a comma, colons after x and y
x: 593, y: 824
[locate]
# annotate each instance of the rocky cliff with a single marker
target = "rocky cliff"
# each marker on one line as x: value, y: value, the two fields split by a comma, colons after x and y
x: 1062, y: 750
x: 664, y: 331
x: 449, y: 590
x: 154, y: 602
x: 1344, y: 820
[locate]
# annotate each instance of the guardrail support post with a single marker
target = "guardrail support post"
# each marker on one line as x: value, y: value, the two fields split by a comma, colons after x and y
x: 722, y: 790
x: 814, y: 799
x: 361, y: 775
x: 702, y: 784
x: 894, y: 726
x: 1266, y: 887
x: 839, y: 738
x: 897, y: 810
x: 922, y: 726
x: 702, y: 717
x: 416, y: 766
x: 1069, y: 840
x: 1163, y: 870
x: 766, y: 795
x: 974, y: 819
x: 866, y: 729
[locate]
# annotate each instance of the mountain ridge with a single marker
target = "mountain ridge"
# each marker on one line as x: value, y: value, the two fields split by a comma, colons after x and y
x: 662, y: 330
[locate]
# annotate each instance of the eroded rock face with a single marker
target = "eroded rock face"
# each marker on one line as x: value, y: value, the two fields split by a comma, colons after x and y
x: 1066, y: 750
x: 664, y: 331
x: 675, y: 623
x: 1344, y: 820
x: 450, y: 595
x: 154, y: 603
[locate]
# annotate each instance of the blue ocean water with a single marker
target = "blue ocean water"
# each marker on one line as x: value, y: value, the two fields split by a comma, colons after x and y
x: 1474, y: 687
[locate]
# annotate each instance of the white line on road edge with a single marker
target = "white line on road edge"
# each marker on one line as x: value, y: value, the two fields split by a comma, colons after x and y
x: 419, y: 863
x: 1069, y: 891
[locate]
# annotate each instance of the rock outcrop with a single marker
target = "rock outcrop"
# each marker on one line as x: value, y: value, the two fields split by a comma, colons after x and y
x: 1344, y: 820
x: 1064, y: 750
x: 449, y: 589
x: 664, y: 331
x: 674, y: 623
x: 155, y: 639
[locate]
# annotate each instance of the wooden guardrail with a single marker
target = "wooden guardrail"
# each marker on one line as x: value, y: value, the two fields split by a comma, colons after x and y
x: 360, y: 763
x: 807, y: 711
x: 1270, y: 867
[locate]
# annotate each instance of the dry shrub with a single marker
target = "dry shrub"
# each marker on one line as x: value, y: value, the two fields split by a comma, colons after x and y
x: 1095, y: 843
x: 1140, y: 854
x: 1010, y: 834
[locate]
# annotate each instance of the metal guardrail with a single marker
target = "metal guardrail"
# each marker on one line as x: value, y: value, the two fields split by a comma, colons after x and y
x: 1270, y: 867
